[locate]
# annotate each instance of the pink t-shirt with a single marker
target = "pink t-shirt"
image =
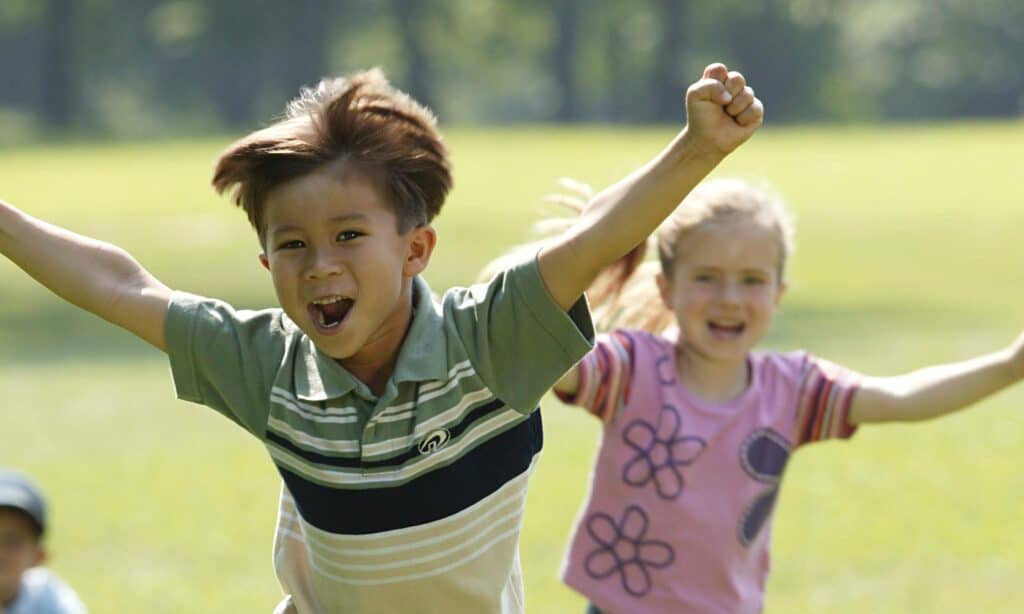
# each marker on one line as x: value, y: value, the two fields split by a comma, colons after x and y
x: 679, y: 513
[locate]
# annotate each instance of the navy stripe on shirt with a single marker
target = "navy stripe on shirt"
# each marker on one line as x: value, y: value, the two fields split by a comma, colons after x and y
x: 430, y: 497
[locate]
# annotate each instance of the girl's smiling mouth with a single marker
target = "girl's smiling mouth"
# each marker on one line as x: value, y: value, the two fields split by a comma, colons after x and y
x: 726, y: 331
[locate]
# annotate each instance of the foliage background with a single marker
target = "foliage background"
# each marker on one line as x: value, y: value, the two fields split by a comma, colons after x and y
x: 893, y: 129
x: 168, y: 67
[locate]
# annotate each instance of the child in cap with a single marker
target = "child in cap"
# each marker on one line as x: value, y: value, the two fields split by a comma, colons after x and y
x: 25, y: 586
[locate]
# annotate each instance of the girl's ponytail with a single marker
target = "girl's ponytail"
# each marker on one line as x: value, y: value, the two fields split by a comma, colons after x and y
x: 624, y: 294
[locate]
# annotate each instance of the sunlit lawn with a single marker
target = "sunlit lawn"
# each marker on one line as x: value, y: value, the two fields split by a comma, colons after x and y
x: 910, y: 253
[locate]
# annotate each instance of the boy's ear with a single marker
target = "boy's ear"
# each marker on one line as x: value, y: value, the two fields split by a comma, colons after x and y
x: 264, y: 261
x: 422, y: 240
x: 41, y: 556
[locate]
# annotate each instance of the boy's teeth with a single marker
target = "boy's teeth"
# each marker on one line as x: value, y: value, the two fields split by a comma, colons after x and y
x: 327, y: 300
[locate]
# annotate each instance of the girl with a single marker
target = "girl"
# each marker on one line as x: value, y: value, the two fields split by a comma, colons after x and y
x: 698, y: 427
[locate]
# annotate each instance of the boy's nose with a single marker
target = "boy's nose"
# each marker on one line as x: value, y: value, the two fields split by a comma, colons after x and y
x: 321, y: 265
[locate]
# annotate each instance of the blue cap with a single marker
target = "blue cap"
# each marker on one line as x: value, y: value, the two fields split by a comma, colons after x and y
x: 19, y: 492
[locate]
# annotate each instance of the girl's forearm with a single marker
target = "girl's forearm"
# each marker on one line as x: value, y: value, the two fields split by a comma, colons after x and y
x: 934, y: 391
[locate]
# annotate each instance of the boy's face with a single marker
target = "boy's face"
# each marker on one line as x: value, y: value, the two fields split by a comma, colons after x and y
x: 340, y: 269
x: 725, y: 289
x: 19, y: 550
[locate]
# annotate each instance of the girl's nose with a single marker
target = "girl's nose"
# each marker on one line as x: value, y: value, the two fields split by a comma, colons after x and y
x: 730, y: 294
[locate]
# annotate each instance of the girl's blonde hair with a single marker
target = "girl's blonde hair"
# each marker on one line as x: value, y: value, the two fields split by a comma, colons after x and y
x: 625, y: 294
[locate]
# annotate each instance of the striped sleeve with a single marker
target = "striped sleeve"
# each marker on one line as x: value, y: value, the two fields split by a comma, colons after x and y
x: 823, y: 404
x: 605, y: 374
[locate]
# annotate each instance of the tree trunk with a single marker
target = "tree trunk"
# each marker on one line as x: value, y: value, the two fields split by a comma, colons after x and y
x: 666, y: 85
x: 58, y: 87
x: 567, y: 13
x: 418, y: 81
x: 305, y: 57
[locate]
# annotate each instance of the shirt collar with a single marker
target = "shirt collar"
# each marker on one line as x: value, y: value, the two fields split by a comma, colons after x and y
x: 421, y: 357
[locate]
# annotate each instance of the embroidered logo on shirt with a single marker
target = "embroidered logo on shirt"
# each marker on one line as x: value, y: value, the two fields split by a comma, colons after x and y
x: 763, y: 456
x: 434, y: 441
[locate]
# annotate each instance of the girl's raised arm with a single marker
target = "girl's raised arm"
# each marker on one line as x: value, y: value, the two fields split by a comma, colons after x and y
x: 569, y: 385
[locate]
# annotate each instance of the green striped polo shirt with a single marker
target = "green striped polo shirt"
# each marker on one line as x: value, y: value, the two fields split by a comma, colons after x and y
x: 407, y: 502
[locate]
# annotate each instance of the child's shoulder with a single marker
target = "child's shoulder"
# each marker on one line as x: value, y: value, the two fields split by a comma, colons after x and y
x: 221, y: 311
x: 39, y: 577
x: 44, y: 591
x: 775, y: 366
x: 642, y: 334
x: 631, y: 337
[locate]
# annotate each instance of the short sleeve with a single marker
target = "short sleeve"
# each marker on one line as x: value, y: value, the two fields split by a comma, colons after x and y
x: 42, y: 591
x: 823, y: 403
x: 225, y: 359
x: 519, y: 341
x: 605, y: 375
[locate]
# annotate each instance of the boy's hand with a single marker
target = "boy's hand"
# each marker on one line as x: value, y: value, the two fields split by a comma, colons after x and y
x: 721, y: 111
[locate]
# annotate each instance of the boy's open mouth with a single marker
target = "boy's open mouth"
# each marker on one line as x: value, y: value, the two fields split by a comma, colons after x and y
x: 329, y: 312
x: 721, y: 330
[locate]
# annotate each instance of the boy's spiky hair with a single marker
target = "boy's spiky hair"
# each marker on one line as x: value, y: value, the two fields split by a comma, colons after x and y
x: 362, y: 123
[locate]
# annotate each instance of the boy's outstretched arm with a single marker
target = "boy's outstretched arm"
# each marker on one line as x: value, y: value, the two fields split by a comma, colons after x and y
x: 722, y: 113
x: 90, y: 274
x: 938, y: 390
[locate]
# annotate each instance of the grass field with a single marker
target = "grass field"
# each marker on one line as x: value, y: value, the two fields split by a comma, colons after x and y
x: 910, y: 253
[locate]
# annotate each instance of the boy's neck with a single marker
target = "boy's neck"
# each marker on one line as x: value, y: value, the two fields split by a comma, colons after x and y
x: 375, y: 362
x: 714, y: 381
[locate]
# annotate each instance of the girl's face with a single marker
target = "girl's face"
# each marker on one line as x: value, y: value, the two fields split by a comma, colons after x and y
x: 725, y: 288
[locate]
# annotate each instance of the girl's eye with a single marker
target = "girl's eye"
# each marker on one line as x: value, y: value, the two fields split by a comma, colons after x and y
x: 293, y: 244
x: 348, y: 235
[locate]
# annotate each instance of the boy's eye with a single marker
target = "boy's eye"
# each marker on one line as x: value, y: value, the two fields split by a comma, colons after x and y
x: 753, y: 281
x: 292, y: 244
x: 703, y: 277
x: 348, y: 235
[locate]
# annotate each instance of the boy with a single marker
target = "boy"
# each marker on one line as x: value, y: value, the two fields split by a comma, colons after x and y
x: 25, y: 586
x: 404, y: 431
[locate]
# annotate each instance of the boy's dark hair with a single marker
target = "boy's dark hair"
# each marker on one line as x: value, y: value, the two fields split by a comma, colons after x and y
x: 360, y: 121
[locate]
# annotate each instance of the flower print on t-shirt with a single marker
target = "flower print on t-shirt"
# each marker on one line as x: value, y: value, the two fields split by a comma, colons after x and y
x: 623, y: 549
x: 763, y: 455
x: 660, y: 452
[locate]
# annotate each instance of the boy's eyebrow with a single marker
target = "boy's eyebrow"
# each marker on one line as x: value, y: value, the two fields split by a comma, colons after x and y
x: 338, y: 219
